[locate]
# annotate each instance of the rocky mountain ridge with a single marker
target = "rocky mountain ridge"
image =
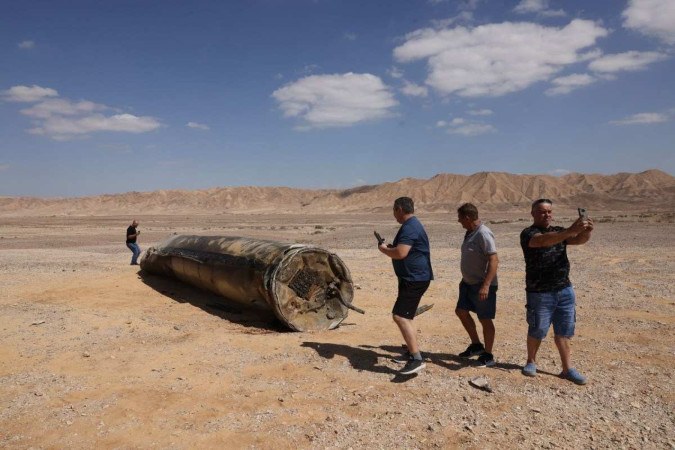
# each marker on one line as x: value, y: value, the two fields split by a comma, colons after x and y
x: 499, y: 191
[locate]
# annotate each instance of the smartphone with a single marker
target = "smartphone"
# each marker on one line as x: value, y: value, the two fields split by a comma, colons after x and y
x: 379, y: 238
x: 582, y: 213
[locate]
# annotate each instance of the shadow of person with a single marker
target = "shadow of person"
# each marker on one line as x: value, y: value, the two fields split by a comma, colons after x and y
x: 446, y: 360
x: 361, y: 358
x: 260, y: 319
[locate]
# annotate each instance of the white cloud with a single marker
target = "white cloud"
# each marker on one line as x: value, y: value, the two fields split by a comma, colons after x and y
x: 537, y: 7
x: 26, y: 45
x: 642, y: 118
x: 465, y: 127
x: 496, y: 59
x: 63, y: 119
x: 566, y: 84
x: 336, y: 100
x: 350, y: 36
x: 395, y: 72
x: 414, y: 90
x: 61, y: 128
x: 59, y: 106
x: 627, y: 61
x: 652, y: 17
x: 197, y: 126
x: 28, y: 94
x: 481, y: 112
x: 4, y: 167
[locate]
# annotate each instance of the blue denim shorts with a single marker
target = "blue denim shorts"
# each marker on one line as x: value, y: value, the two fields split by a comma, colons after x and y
x: 469, y: 300
x: 556, y: 307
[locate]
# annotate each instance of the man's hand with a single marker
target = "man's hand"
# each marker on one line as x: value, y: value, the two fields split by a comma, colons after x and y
x: 585, y: 234
x: 578, y: 226
x: 483, y: 292
x: 588, y: 224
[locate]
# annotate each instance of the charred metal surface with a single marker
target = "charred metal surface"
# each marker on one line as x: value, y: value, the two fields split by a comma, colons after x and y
x: 307, y: 288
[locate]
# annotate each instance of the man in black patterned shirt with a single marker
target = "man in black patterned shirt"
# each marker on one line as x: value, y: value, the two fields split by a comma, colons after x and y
x: 550, y: 296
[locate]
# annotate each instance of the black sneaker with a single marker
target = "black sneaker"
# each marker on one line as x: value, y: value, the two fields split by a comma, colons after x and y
x: 403, y: 358
x: 413, y: 366
x: 486, y: 359
x: 472, y: 350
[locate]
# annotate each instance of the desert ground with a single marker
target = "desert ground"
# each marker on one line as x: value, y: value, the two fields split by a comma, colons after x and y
x: 96, y: 355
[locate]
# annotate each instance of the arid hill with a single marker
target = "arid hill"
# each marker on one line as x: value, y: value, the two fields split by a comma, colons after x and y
x: 649, y: 190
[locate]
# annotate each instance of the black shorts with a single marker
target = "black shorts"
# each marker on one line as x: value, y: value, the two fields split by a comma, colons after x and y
x: 409, y: 295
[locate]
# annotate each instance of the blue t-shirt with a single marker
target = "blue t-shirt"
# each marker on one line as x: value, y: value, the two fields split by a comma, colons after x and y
x: 417, y: 265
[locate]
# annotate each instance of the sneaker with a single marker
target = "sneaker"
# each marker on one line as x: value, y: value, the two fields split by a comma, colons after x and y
x: 530, y: 370
x: 403, y: 358
x: 486, y: 359
x: 413, y: 366
x: 472, y: 350
x: 574, y: 376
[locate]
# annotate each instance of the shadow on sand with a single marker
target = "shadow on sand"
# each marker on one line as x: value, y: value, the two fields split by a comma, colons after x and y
x: 367, y: 357
x: 262, y: 320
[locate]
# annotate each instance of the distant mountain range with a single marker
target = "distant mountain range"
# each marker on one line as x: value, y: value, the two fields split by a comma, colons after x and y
x: 652, y: 190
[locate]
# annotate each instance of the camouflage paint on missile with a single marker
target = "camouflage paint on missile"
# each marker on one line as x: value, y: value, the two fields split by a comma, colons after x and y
x: 306, y: 287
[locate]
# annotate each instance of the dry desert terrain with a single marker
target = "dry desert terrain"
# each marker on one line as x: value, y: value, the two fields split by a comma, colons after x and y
x: 95, y: 355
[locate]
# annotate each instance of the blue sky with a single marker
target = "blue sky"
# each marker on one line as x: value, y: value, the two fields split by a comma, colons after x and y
x: 105, y: 97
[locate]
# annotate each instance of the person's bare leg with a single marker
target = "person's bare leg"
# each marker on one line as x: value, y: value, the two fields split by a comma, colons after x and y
x: 488, y: 334
x: 408, y: 331
x: 563, y: 344
x: 469, y: 324
x: 532, y: 349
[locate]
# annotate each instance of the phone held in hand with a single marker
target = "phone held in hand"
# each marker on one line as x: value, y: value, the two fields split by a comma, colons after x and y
x: 380, y: 239
x: 582, y: 213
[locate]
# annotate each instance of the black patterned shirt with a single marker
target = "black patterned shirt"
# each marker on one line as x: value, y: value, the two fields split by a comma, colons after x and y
x: 547, y: 269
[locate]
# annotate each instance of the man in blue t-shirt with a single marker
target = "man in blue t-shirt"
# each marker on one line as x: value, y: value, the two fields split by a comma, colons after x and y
x: 411, y: 258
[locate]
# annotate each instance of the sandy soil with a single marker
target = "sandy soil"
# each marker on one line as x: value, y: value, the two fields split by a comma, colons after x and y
x: 94, y: 355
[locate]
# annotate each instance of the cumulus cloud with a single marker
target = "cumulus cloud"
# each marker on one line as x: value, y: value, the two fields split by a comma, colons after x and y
x: 641, y: 119
x: 537, y: 7
x: 197, y: 126
x: 566, y: 84
x: 627, y: 61
x: 496, y: 59
x: 28, y: 94
x: 63, y: 119
x: 481, y: 112
x: 465, y: 127
x: 652, y: 17
x: 26, y: 45
x: 337, y: 100
x: 414, y: 90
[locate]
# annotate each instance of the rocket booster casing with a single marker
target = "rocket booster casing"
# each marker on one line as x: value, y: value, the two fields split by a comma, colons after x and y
x: 298, y: 283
